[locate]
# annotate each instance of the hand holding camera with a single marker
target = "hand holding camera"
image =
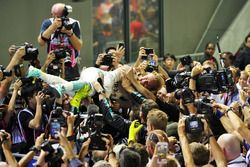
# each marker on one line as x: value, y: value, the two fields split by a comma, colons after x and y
x: 50, y: 57
x: 196, y: 70
x: 17, y: 84
x: 220, y: 106
x: 57, y: 23
x: 40, y: 97
x: 39, y: 141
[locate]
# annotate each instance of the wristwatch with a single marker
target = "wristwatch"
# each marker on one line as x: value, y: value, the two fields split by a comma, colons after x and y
x: 35, y: 149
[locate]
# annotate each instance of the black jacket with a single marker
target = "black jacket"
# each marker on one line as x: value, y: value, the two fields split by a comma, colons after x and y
x: 243, y: 59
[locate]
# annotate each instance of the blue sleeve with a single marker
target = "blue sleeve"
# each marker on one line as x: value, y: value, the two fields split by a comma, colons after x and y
x: 46, y: 23
x: 76, y: 29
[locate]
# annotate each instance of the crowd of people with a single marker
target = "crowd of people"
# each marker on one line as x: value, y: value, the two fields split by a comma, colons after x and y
x: 151, y: 113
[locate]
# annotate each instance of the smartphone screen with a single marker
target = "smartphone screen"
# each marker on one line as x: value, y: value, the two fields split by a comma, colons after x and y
x: 162, y: 151
x: 54, y: 128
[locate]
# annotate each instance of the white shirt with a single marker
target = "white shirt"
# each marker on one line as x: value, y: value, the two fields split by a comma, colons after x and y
x: 237, y: 162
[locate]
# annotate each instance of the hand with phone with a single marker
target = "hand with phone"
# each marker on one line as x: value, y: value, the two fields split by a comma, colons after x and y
x: 55, y: 127
x: 161, y: 152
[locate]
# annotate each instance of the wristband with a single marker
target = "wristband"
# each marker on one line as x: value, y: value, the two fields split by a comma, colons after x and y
x: 245, y: 105
x: 43, y: 38
x: 71, y: 138
x: 219, y: 114
x: 210, y: 135
x: 35, y: 149
x: 194, y: 77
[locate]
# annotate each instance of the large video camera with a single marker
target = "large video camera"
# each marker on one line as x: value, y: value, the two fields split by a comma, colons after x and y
x: 93, y: 125
x: 31, y: 53
x: 65, y: 20
x: 180, y: 81
x: 4, y: 73
x: 215, y: 81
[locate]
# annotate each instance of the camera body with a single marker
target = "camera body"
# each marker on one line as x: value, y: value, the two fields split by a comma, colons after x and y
x: 186, y: 60
x: 54, y: 156
x: 148, y: 51
x: 62, y: 53
x: 180, y: 80
x: 57, y: 115
x: 186, y: 95
x: 107, y: 59
x: 93, y: 126
x: 4, y: 73
x: 215, y: 81
x: 31, y: 53
x: 193, y: 125
x: 65, y: 20
x: 204, y: 106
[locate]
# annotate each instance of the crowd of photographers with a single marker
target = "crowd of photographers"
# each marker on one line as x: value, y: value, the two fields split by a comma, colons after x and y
x: 150, y: 113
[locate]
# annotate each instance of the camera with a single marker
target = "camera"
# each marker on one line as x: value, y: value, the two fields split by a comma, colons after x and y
x: 215, y: 81
x: 204, y: 106
x: 185, y: 94
x: 193, y: 125
x: 62, y: 53
x: 57, y: 115
x: 107, y: 59
x: 31, y: 53
x: 96, y: 124
x: 4, y: 73
x: 54, y: 158
x: 65, y: 20
x: 148, y: 51
x: 152, y: 66
x: 180, y: 80
x: 93, y: 125
x: 186, y: 60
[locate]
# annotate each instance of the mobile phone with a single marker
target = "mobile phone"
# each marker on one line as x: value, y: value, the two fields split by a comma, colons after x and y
x: 54, y: 128
x: 149, y: 51
x: 162, y: 151
x: 121, y: 44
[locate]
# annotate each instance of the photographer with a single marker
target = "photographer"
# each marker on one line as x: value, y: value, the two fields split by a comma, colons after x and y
x: 6, y: 82
x: 111, y: 58
x: 62, y: 32
x: 58, y: 65
x: 6, y: 146
x: 31, y: 120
